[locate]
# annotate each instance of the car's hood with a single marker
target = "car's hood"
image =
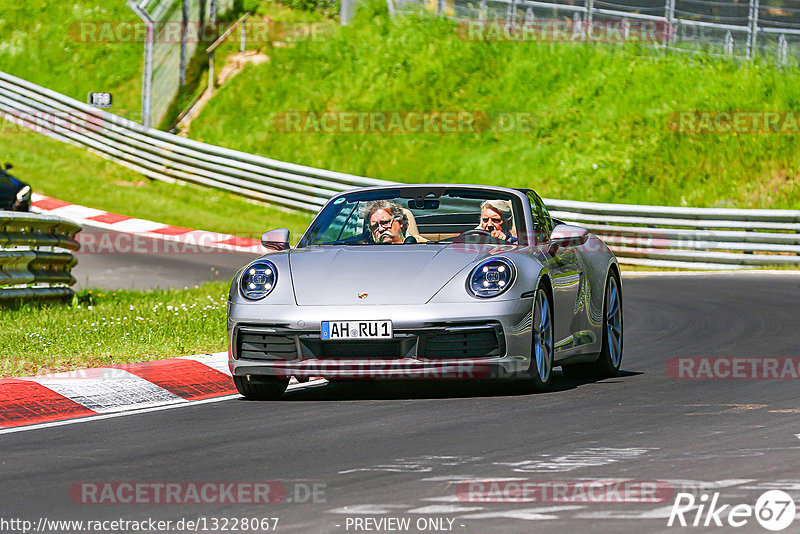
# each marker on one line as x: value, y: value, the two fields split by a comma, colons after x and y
x: 381, y: 274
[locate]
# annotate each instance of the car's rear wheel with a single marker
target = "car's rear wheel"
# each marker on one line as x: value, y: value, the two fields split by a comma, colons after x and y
x: 260, y: 388
x: 610, y: 358
x: 541, y: 370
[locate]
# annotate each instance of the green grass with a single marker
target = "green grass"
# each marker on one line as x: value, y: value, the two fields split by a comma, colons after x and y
x: 42, y: 44
x: 72, y: 174
x: 602, y: 115
x: 104, y: 328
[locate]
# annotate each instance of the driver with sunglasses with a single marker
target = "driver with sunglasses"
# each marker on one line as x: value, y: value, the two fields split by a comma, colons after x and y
x: 497, y: 218
x: 387, y: 222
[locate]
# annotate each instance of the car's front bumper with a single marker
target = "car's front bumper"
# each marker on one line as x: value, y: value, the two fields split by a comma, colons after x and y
x: 430, y: 341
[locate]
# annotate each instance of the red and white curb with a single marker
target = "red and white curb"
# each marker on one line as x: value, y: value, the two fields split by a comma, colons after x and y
x: 102, y: 392
x: 129, y: 225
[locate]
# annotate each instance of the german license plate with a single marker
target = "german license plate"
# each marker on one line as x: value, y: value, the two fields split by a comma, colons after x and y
x: 339, y: 330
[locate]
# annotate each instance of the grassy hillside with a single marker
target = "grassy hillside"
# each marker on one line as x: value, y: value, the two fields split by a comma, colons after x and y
x: 601, y: 115
x: 42, y: 43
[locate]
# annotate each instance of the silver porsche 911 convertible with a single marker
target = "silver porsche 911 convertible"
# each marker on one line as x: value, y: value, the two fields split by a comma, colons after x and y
x: 427, y: 282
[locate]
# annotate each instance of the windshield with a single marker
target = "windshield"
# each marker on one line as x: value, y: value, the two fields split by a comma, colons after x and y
x: 405, y: 217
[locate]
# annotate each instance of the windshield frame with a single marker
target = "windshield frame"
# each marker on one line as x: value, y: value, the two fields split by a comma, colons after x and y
x: 519, y: 205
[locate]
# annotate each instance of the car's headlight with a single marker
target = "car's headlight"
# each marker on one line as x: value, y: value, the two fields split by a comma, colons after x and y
x: 258, y: 280
x: 24, y: 194
x: 491, y: 277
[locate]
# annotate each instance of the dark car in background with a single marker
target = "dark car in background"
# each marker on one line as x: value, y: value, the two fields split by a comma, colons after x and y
x: 15, y: 195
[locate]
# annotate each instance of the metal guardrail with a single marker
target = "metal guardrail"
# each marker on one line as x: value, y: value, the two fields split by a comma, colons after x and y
x: 25, y: 269
x: 707, y: 238
x: 164, y: 156
x: 648, y: 235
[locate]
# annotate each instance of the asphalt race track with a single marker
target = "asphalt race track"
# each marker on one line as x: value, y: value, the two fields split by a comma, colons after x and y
x: 403, y: 451
x: 150, y: 270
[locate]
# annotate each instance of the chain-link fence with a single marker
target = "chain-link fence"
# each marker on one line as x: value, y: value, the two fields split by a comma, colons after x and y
x: 174, y: 28
x: 770, y: 28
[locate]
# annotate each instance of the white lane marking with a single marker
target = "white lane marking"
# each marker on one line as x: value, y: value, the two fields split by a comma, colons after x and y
x: 444, y: 498
x: 181, y: 404
x: 417, y: 464
x: 662, y: 512
x: 444, y: 509
x: 643, y: 274
x: 785, y: 485
x: 367, y: 509
x: 455, y: 479
x: 107, y: 390
x: 591, y: 457
x: 528, y: 514
x: 391, y: 468
x: 684, y: 485
x: 215, y: 360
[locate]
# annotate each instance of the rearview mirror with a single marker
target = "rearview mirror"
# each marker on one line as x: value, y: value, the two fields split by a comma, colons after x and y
x: 276, y: 239
x: 566, y: 235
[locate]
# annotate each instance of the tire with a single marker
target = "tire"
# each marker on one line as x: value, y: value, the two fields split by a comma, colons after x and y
x: 610, y: 358
x: 266, y: 388
x: 541, y: 370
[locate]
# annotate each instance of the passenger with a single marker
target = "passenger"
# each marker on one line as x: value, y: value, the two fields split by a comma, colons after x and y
x: 497, y: 219
x: 388, y: 222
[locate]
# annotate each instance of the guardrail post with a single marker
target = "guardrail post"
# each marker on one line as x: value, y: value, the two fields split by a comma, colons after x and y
x: 346, y: 8
x: 782, y: 49
x: 147, y: 75
x: 243, y: 38
x: 752, y: 28
x: 578, y: 27
x: 589, y: 17
x: 530, y: 18
x: 728, y: 44
x: 211, y: 71
x: 670, y: 32
x: 512, y: 13
x: 184, y: 25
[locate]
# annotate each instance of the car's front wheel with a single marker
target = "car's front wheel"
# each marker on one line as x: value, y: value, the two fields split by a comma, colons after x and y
x: 541, y: 370
x: 610, y: 357
x: 260, y: 388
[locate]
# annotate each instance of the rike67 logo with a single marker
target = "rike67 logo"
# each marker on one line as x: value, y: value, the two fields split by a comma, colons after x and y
x: 774, y: 510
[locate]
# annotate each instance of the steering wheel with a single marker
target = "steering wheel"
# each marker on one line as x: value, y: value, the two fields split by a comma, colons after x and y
x: 484, y: 235
x: 478, y: 231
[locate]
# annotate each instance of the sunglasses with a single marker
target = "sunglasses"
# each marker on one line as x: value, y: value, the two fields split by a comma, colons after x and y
x: 384, y: 223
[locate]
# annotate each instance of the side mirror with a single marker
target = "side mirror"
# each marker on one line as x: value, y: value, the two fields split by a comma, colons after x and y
x: 276, y: 239
x: 565, y: 235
